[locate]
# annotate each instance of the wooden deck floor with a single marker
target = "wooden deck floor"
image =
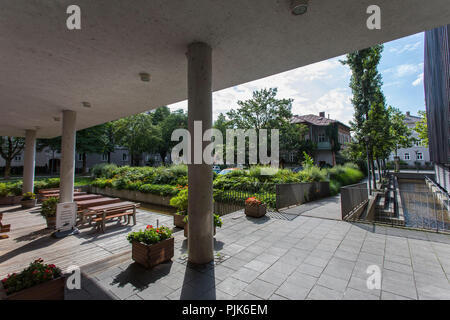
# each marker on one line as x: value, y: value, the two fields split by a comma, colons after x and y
x: 29, y: 239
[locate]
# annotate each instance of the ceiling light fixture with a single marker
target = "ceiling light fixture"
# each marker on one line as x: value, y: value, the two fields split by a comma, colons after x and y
x: 86, y: 104
x: 144, y: 76
x: 299, y: 7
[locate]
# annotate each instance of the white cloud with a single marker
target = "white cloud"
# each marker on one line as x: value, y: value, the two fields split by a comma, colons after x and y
x: 406, y: 48
x: 405, y: 70
x: 418, y: 81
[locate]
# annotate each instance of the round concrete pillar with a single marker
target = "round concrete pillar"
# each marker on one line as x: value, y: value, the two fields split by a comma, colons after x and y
x: 29, y: 161
x: 200, y: 203
x: 67, y: 173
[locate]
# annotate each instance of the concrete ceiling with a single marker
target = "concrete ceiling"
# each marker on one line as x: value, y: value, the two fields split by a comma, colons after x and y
x: 46, y: 68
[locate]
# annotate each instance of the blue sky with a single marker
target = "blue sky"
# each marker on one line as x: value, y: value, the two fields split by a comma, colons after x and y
x: 323, y: 86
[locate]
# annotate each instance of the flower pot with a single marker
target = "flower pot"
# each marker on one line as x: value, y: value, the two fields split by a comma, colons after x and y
x: 9, y: 200
x: 51, y: 222
x: 5, y: 228
x: 50, y: 290
x: 154, y: 254
x: 178, y: 221
x: 256, y: 211
x: 186, y: 228
x: 27, y: 204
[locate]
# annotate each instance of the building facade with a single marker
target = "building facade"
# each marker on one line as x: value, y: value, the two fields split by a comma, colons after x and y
x: 320, y: 130
x: 437, y: 97
x: 419, y: 153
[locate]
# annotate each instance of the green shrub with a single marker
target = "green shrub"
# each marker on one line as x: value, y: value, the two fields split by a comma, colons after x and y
x: 104, y: 170
x: 162, y: 190
x: 180, y: 202
x: 4, y: 191
x: 48, y: 209
x: 313, y: 174
x: 150, y: 235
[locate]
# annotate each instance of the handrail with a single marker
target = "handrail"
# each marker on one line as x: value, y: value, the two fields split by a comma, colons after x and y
x: 442, y: 190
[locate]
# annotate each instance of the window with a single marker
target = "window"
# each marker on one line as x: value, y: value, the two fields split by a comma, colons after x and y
x: 419, y: 156
x: 124, y: 157
x: 17, y: 158
x: 292, y: 157
x: 321, y: 137
x: 104, y: 157
x: 406, y: 156
x: 80, y: 157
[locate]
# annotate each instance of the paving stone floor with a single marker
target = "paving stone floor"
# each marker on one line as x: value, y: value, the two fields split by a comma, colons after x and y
x: 306, y: 258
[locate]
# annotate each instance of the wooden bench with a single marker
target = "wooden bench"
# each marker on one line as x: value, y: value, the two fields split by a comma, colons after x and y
x: 82, y: 205
x: 87, y: 197
x: 56, y: 195
x: 100, y: 214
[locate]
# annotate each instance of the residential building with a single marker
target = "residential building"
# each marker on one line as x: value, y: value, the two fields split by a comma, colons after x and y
x: 418, y: 153
x: 437, y: 97
x: 320, y: 132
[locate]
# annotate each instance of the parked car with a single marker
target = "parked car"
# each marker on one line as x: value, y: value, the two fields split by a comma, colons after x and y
x: 216, y: 169
x: 296, y: 169
x: 228, y: 170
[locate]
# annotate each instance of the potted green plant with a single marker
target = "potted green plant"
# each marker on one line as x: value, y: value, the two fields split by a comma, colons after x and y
x: 255, y: 208
x: 10, y: 193
x: 151, y: 246
x: 180, y: 201
x: 217, y: 223
x: 38, y: 281
x: 28, y: 200
x: 48, y: 211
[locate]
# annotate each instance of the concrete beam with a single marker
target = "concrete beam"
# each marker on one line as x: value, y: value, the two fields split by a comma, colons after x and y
x: 67, y: 174
x: 29, y: 161
x: 200, y: 203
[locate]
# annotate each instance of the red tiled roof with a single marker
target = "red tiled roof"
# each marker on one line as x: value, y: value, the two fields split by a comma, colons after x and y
x: 314, y: 120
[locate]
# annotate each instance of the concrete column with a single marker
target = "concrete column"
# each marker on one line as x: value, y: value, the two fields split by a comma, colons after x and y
x: 200, y: 204
x: 29, y: 161
x: 67, y: 173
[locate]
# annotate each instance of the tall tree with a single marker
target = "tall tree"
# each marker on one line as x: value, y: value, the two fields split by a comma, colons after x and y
x: 400, y: 134
x: 138, y: 134
x: 9, y: 148
x: 365, y: 83
x: 169, y: 123
x: 262, y: 111
x: 422, y: 128
x: 54, y: 144
x: 90, y: 141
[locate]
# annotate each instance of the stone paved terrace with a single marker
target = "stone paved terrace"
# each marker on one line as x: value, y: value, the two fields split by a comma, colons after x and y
x: 267, y: 258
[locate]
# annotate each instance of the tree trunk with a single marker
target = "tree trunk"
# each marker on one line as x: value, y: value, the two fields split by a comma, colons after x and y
x: 379, y: 170
x: 7, y: 169
x: 84, y: 170
x: 109, y: 157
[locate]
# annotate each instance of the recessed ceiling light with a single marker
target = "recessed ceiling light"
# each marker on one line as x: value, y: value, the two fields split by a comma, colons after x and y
x: 86, y: 104
x: 144, y: 76
x: 299, y: 7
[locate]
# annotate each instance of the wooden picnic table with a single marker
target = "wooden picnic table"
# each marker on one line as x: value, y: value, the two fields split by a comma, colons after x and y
x: 96, y: 202
x: 99, y: 214
x: 86, y: 197
x: 53, y: 190
x: 56, y: 195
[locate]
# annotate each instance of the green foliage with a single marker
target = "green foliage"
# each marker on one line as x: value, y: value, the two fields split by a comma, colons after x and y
x: 37, y: 272
x: 217, y: 221
x: 162, y: 190
x: 28, y: 196
x: 308, y: 160
x: 312, y: 174
x: 343, y: 175
x: 180, y: 202
x: 422, y: 128
x: 150, y: 235
x: 48, y: 209
x: 105, y: 170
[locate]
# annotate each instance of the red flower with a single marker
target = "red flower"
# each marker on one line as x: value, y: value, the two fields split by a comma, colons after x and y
x: 4, y: 280
x: 51, y: 266
x: 35, y: 271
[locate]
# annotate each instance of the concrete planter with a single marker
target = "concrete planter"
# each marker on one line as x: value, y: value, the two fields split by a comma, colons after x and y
x: 154, y: 254
x: 257, y: 211
x: 10, y: 200
x: 133, y: 196
x: 50, y: 290
x: 27, y: 204
x: 178, y: 221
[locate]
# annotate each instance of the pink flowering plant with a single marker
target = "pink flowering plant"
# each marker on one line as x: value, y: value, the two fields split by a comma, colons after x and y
x: 36, y: 273
x: 150, y: 235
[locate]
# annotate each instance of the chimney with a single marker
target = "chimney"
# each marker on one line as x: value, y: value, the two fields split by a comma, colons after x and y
x: 322, y: 114
x: 408, y: 114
